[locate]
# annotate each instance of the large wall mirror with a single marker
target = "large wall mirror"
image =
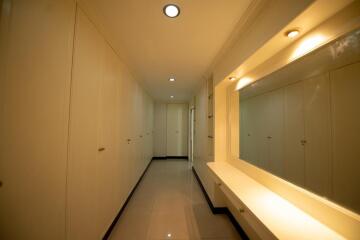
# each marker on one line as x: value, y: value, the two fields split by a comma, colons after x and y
x: 302, y: 122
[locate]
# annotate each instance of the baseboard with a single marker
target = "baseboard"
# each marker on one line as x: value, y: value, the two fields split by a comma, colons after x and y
x: 220, y: 210
x: 171, y: 157
x: 108, y: 232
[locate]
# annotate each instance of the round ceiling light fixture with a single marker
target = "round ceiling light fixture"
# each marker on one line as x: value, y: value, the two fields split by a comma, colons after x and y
x: 171, y: 96
x: 172, y: 79
x: 292, y: 33
x: 171, y: 10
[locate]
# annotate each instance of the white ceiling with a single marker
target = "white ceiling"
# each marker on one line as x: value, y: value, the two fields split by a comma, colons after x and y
x: 156, y: 47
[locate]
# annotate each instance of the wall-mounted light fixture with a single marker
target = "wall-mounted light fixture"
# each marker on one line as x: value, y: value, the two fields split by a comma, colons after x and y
x: 172, y: 79
x: 171, y: 96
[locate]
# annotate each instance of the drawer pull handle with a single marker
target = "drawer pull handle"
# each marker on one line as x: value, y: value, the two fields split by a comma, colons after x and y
x: 101, y: 149
x: 219, y: 184
x: 241, y: 209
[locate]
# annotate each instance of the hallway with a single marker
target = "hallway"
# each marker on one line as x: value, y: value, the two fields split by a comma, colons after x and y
x: 169, y: 204
x: 101, y: 102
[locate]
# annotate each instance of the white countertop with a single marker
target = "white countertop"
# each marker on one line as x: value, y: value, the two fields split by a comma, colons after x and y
x: 282, y: 218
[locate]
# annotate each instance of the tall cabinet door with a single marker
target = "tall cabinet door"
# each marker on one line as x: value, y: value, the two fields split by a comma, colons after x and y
x: 108, y: 155
x: 244, y: 143
x: 345, y: 89
x: 318, y: 134
x: 35, y: 68
x: 176, y: 129
x: 294, y: 134
x: 275, y: 131
x: 83, y: 138
x: 261, y: 131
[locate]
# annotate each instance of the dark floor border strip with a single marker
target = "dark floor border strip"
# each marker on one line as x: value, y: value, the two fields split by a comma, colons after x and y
x: 171, y: 157
x: 108, y: 232
x: 221, y: 210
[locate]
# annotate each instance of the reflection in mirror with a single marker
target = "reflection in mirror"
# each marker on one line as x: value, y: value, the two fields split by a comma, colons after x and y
x: 302, y: 122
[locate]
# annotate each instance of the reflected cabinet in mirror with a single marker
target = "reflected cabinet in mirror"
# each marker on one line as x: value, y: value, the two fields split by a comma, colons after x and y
x: 302, y: 122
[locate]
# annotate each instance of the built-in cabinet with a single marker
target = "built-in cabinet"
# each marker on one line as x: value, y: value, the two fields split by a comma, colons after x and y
x: 110, y: 136
x: 307, y: 133
x: 76, y: 128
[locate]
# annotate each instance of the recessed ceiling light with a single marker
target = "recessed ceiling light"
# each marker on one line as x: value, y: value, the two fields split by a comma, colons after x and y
x: 171, y: 10
x: 292, y: 33
x: 172, y: 79
x: 232, y: 78
x: 172, y: 96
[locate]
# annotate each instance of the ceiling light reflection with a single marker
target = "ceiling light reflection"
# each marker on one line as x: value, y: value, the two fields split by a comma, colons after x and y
x: 307, y: 45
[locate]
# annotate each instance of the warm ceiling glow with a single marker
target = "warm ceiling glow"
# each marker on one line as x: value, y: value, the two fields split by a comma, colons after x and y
x: 232, y: 78
x: 172, y: 79
x: 169, y: 235
x: 172, y: 96
x: 307, y: 45
x: 243, y: 83
x: 292, y: 33
x: 171, y: 10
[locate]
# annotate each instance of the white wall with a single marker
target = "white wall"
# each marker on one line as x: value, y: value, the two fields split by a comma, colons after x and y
x: 63, y: 98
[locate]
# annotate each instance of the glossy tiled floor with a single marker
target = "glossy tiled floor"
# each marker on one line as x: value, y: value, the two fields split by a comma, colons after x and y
x: 169, y: 204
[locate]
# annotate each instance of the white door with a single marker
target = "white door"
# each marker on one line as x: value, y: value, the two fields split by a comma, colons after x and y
x: 177, y: 129
x: 294, y: 134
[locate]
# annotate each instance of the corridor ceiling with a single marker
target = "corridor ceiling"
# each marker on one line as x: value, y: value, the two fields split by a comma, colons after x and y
x: 156, y: 47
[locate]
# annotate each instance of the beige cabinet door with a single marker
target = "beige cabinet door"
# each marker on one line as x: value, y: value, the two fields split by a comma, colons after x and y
x: 177, y: 129
x: 109, y: 168
x: 317, y: 134
x: 260, y: 132
x: 274, y: 123
x: 35, y: 76
x: 294, y: 134
x: 345, y: 89
x: 244, y: 122
x: 84, y: 129
x: 250, y: 119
